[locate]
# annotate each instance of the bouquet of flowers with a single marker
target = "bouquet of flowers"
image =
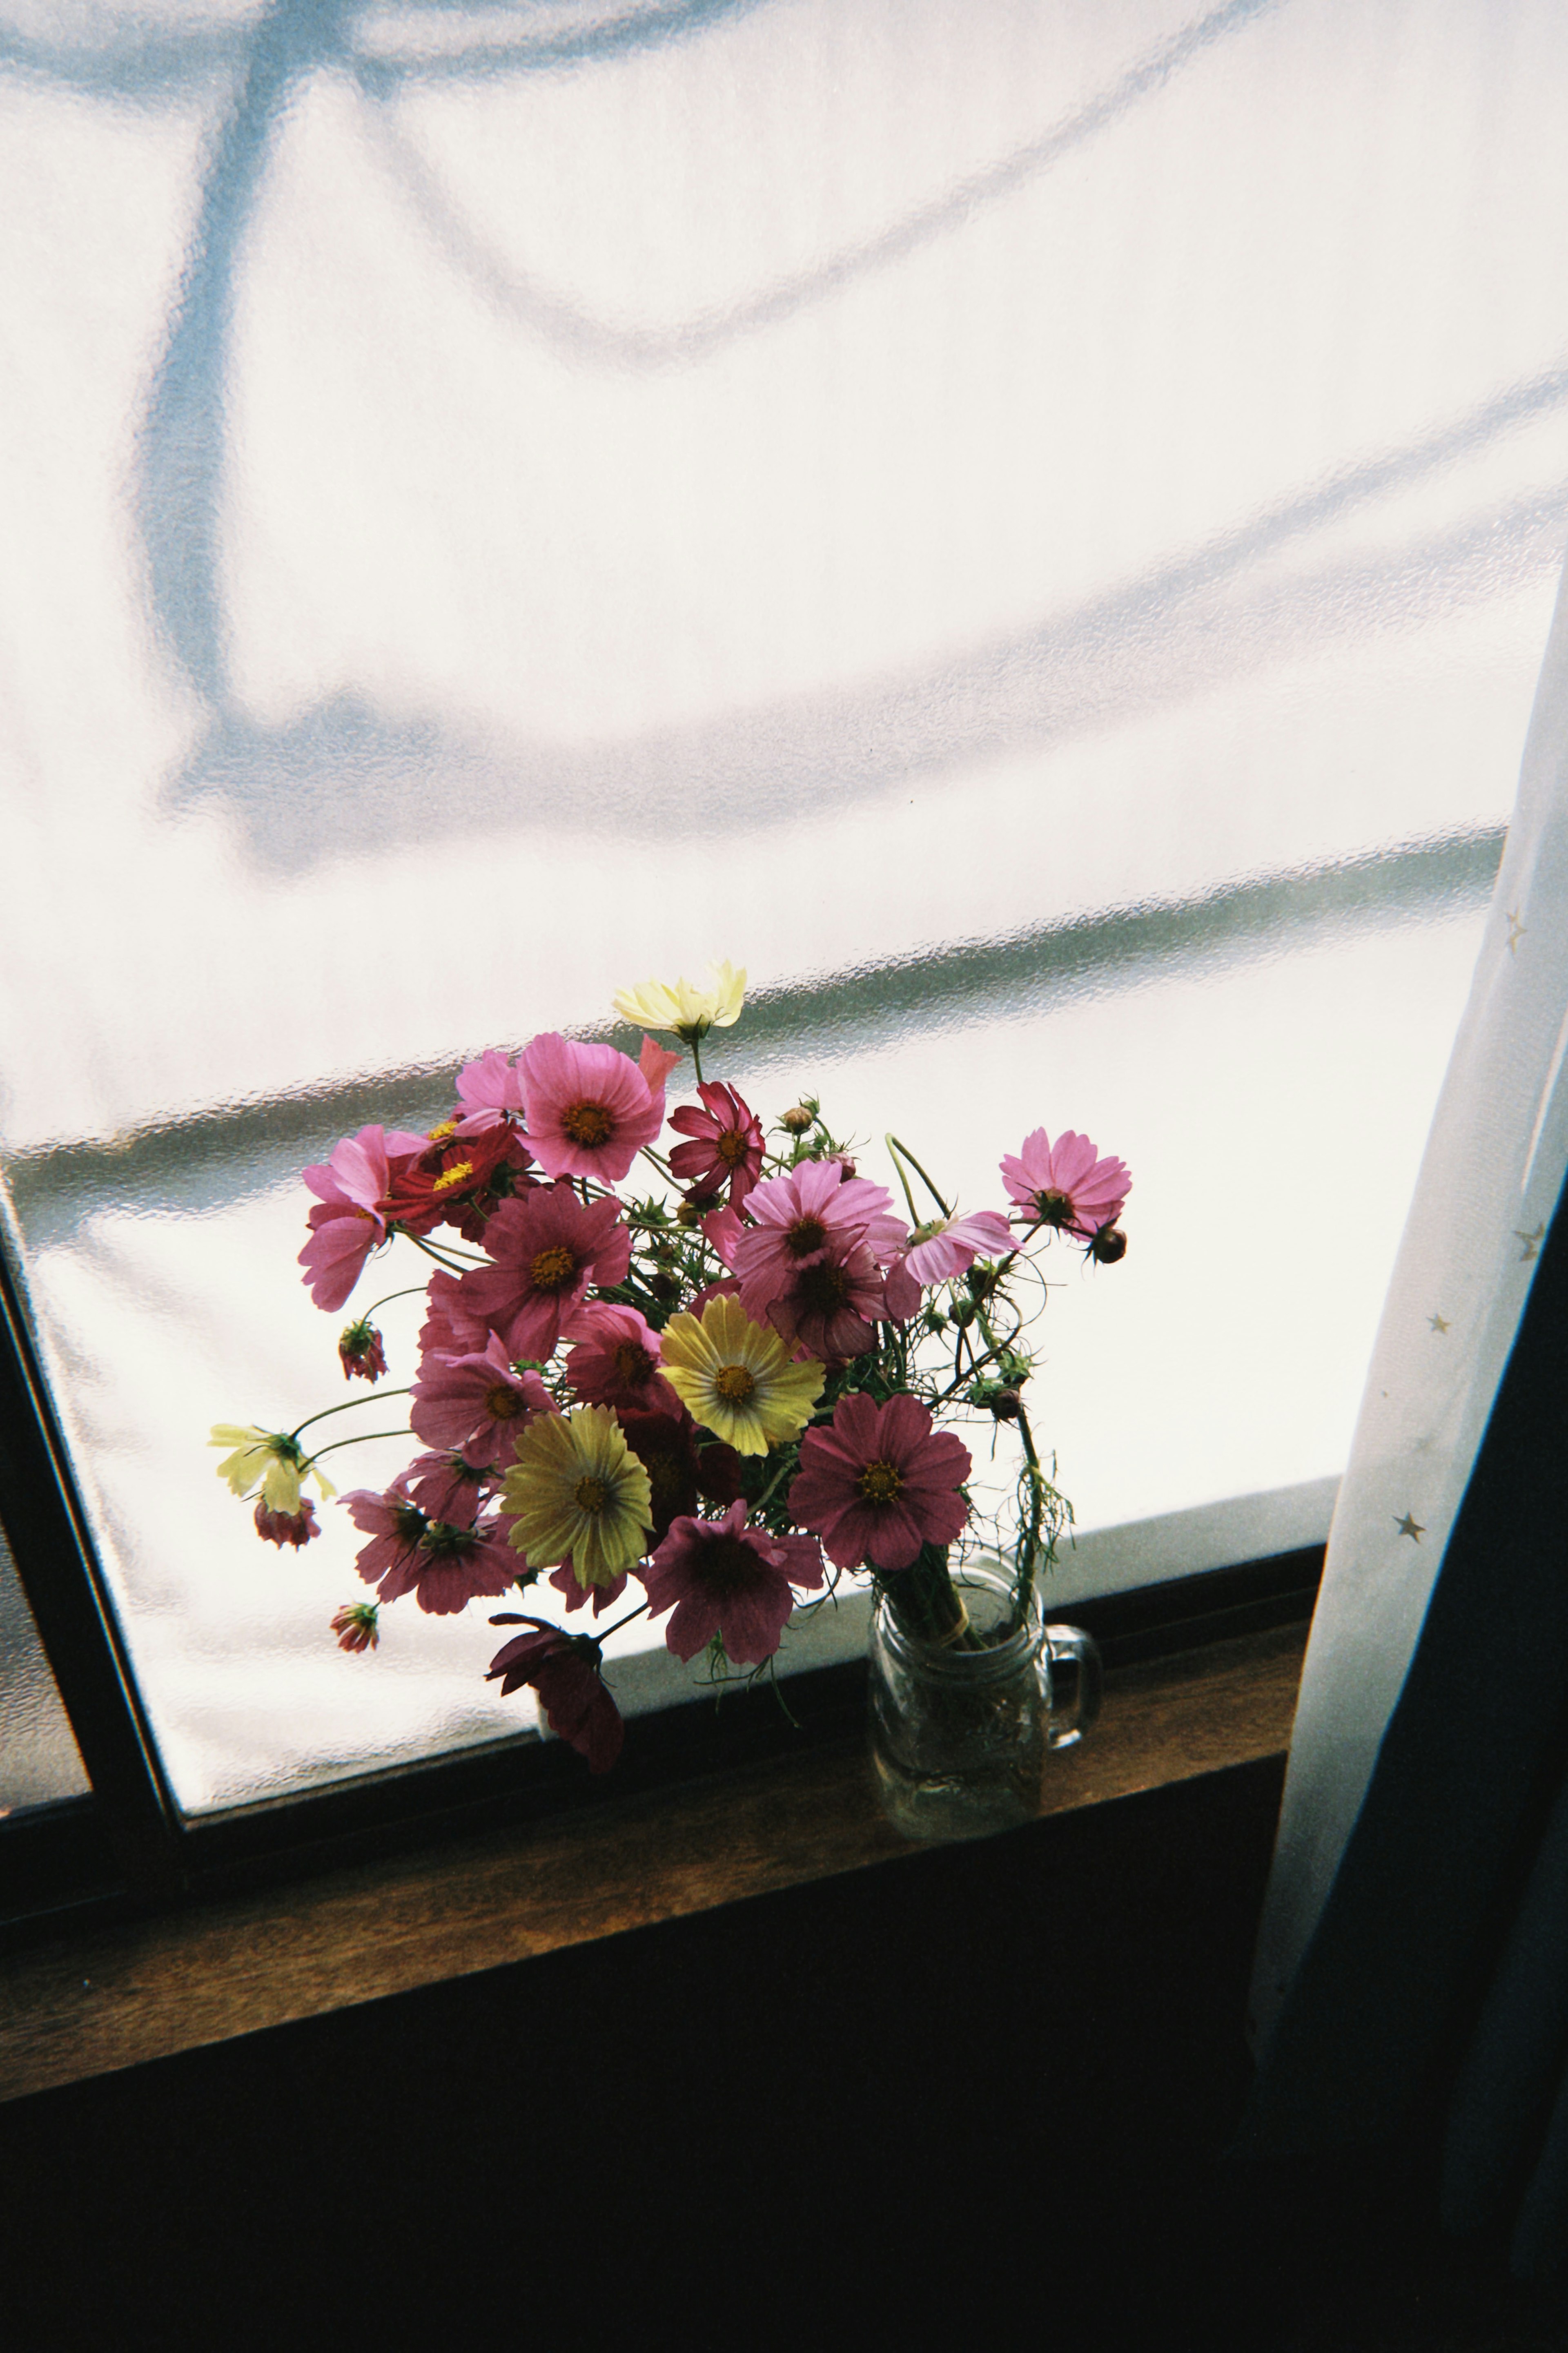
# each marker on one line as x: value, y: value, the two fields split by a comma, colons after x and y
x: 731, y: 1387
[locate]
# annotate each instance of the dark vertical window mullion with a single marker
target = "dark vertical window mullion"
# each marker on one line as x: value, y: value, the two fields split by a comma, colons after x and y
x: 45, y: 1526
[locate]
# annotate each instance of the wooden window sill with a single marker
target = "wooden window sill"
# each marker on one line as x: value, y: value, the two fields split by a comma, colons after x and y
x: 148, y: 1989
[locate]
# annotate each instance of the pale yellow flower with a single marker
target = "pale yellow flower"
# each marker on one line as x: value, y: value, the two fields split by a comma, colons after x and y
x: 578, y: 1492
x: 271, y: 1456
x: 689, y: 1012
x: 737, y: 1378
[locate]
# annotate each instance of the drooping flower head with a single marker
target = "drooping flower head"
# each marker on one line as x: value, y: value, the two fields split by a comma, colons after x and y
x: 577, y: 1492
x: 361, y: 1350
x: 1065, y: 1184
x: 941, y: 1249
x: 475, y: 1403
x: 546, y: 1247
x: 444, y: 1567
x: 677, y: 1005
x: 812, y: 1213
x: 274, y: 1457
x: 723, y: 1577
x: 281, y: 1528
x: 590, y: 1109
x: 563, y: 1669
x: 616, y: 1360
x: 727, y: 1146
x: 737, y: 1378
x: 881, y: 1482
x: 356, y: 1626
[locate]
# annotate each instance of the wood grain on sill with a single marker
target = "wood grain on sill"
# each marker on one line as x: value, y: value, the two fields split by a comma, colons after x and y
x: 147, y: 1988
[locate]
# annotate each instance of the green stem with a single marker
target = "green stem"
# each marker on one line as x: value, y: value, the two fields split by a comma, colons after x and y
x: 898, y: 1166
x: 895, y: 1145
x: 414, y: 1290
x: 926, y: 1603
x: 364, y: 1438
x: 371, y: 1396
x: 622, y: 1621
x: 695, y: 1057
x: 1029, y: 1560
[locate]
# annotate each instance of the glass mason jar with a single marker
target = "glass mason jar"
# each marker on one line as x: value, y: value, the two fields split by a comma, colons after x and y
x: 961, y: 1729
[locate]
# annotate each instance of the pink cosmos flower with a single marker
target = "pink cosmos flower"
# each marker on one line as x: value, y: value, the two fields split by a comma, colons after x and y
x: 282, y: 1528
x: 489, y: 1093
x: 565, y: 1671
x: 447, y: 1487
x: 828, y: 1308
x: 727, y: 1145
x: 881, y: 1482
x: 476, y: 1403
x: 814, y: 1212
x: 451, y: 1327
x: 937, y: 1251
x: 723, y: 1578
x: 547, y: 1247
x: 590, y: 1109
x: 444, y: 1567
x: 348, y: 1223
x: 1065, y: 1185
x: 616, y: 1360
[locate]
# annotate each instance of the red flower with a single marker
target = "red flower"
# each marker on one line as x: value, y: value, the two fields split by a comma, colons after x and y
x: 565, y: 1671
x: 281, y: 1528
x: 723, y: 1578
x: 451, y: 1174
x: 359, y: 1351
x: 881, y: 1482
x: 729, y: 1145
x: 546, y: 1246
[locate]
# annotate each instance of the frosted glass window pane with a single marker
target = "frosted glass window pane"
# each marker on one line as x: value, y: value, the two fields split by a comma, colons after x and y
x: 39, y: 1761
x: 1031, y: 526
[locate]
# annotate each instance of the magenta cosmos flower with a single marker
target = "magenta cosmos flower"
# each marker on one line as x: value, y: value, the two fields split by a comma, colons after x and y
x: 444, y: 1567
x: 590, y: 1109
x: 723, y: 1577
x: 563, y: 1669
x: 475, y: 1404
x: 937, y: 1251
x: 447, y: 1486
x: 829, y: 1308
x: 547, y: 1247
x: 813, y: 1213
x: 349, y: 1220
x: 880, y: 1483
x: 616, y: 1360
x: 1065, y: 1184
x: 727, y: 1146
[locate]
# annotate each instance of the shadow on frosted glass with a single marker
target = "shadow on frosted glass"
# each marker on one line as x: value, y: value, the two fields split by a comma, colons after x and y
x: 38, y: 1759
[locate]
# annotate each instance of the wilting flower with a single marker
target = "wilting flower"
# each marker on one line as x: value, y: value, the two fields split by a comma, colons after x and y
x: 727, y: 1145
x: 355, y: 1626
x: 881, y: 1482
x: 348, y: 1221
x: 737, y: 1377
x: 590, y: 1109
x: 723, y: 1578
x: 274, y: 1457
x: 678, y: 1470
x: 689, y: 1012
x: 814, y: 1212
x: 475, y: 1403
x: 359, y: 1350
x: 577, y: 1492
x: 1065, y: 1184
x: 937, y: 1251
x: 444, y: 1567
x: 281, y: 1528
x: 546, y: 1246
x: 616, y: 1360
x: 563, y: 1669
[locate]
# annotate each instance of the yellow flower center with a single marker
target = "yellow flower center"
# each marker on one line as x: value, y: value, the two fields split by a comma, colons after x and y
x: 879, y: 1483
x: 587, y: 1122
x: 731, y: 1147
x: 503, y: 1404
x: 554, y: 1269
x: 439, y: 1135
x: 735, y: 1384
x: 591, y: 1494
x: 459, y: 1171
x: 807, y: 1235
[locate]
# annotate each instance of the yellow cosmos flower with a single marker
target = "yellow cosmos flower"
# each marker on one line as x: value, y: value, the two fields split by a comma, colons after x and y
x: 271, y: 1456
x: 737, y: 1378
x: 689, y: 1012
x: 578, y: 1492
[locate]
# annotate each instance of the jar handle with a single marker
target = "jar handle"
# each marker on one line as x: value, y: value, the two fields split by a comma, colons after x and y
x: 1065, y: 1642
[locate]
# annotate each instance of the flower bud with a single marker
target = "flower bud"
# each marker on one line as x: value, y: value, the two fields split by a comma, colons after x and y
x: 797, y: 1121
x: 1108, y: 1245
x: 355, y: 1626
x: 982, y: 1280
x: 963, y: 1312
x: 1007, y: 1405
x: 665, y: 1288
